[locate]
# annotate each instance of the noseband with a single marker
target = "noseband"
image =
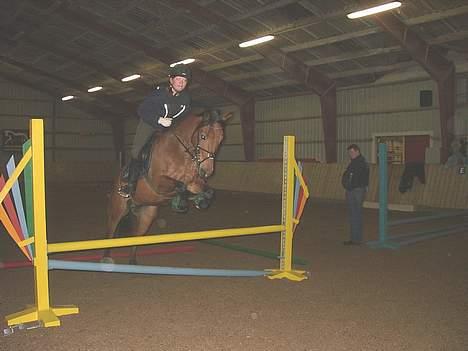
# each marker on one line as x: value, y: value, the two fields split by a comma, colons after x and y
x: 195, y: 155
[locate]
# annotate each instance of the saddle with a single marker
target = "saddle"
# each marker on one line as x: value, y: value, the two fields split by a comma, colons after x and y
x: 144, y: 158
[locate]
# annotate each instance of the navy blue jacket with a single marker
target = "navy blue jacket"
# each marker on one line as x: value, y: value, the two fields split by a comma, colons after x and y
x: 161, y: 103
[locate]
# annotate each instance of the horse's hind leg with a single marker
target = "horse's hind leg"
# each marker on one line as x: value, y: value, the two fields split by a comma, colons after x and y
x: 117, y: 209
x: 143, y: 219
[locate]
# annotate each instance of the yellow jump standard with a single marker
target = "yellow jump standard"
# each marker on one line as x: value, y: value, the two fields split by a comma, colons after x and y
x: 48, y: 316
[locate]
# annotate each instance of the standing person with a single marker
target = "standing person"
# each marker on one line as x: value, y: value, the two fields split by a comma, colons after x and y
x: 157, y: 113
x: 355, y: 181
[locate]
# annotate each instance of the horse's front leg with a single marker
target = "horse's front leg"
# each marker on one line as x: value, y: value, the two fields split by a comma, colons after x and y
x: 143, y: 219
x: 203, y: 195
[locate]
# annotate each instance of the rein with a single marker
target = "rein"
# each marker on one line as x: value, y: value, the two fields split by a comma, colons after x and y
x: 195, y: 155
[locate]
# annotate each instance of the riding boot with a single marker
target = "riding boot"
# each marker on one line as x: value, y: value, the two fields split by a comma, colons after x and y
x: 133, y: 173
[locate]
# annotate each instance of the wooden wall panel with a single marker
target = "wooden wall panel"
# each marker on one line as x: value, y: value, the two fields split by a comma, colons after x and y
x: 444, y: 188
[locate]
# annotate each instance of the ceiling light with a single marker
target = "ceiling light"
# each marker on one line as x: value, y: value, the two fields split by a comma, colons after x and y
x: 92, y: 90
x: 68, y: 97
x: 373, y: 10
x: 129, y: 78
x: 256, y: 41
x: 185, y: 62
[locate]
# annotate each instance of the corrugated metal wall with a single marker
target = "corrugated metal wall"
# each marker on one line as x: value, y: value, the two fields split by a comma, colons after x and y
x: 232, y: 148
x: 461, y: 122
x: 363, y: 112
x: 81, y: 137
x: 299, y: 116
x: 71, y: 135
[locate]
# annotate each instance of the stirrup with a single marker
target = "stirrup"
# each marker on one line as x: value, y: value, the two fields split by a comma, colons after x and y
x: 123, y: 191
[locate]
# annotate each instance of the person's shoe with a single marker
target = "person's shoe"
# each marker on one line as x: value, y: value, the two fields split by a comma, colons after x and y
x: 350, y: 242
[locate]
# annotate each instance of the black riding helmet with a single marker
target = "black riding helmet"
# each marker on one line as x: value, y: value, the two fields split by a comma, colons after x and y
x: 180, y: 70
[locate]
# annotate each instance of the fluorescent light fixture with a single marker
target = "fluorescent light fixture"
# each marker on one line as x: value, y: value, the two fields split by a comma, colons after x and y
x: 129, y: 78
x: 185, y: 62
x: 92, y: 90
x: 68, y: 97
x: 373, y: 10
x: 256, y: 41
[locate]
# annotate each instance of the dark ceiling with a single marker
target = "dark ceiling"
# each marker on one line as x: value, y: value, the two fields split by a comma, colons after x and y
x: 64, y: 47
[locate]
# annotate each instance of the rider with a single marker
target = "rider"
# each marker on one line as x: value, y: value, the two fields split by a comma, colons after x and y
x: 157, y: 112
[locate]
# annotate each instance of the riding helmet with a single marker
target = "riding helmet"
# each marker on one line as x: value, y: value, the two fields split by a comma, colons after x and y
x: 180, y: 70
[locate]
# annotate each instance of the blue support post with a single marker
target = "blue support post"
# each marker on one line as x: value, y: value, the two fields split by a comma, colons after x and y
x: 383, y: 241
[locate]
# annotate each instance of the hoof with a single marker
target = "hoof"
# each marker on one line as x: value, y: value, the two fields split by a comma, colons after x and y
x: 107, y: 259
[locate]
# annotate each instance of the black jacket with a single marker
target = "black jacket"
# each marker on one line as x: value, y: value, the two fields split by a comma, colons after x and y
x: 356, y: 175
x: 161, y: 103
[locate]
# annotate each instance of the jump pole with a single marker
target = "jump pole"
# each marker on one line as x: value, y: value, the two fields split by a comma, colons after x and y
x: 387, y: 241
x: 43, y: 313
x: 383, y: 242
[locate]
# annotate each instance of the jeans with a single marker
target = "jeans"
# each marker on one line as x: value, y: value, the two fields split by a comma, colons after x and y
x: 355, y: 199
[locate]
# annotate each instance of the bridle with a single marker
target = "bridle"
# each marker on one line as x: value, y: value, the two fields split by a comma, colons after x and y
x: 195, y: 155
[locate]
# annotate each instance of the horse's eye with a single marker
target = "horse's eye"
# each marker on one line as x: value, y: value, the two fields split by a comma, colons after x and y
x: 203, y: 136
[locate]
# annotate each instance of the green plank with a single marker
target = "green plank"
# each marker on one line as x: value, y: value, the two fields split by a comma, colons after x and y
x: 262, y: 253
x: 27, y: 173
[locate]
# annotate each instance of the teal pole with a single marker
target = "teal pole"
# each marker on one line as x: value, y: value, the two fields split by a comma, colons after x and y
x: 383, y: 193
x: 384, y: 241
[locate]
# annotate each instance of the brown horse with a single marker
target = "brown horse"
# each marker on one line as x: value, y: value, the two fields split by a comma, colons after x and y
x: 185, y: 155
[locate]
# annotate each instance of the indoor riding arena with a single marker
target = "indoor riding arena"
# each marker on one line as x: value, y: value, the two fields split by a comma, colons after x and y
x: 234, y: 175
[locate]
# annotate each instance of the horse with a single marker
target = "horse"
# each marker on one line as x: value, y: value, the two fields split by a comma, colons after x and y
x: 184, y: 155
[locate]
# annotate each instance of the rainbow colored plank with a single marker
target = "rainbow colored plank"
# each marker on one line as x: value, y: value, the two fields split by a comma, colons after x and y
x: 12, y: 214
x: 301, y: 194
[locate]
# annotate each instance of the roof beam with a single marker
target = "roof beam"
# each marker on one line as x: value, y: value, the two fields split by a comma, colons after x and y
x: 89, y: 107
x: 90, y: 21
x: 439, y: 68
x: 440, y: 40
x: 434, y: 63
x: 313, y: 79
x: 109, y: 100
x: 249, y: 14
x: 262, y: 9
x: 336, y: 38
x: 26, y: 36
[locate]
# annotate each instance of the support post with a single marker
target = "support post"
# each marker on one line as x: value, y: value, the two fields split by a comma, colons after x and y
x: 41, y: 312
x: 285, y: 270
x: 383, y: 241
x: 383, y: 192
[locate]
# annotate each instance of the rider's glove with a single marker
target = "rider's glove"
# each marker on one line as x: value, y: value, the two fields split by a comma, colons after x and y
x: 165, y: 122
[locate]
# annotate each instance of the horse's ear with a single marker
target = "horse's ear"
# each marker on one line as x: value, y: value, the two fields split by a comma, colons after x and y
x: 227, y: 116
x: 205, y: 115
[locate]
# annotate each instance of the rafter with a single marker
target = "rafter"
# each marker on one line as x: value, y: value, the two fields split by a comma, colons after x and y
x: 90, y: 21
x: 439, y: 68
x: 109, y: 100
x: 332, y: 39
x: 313, y: 79
x: 88, y: 107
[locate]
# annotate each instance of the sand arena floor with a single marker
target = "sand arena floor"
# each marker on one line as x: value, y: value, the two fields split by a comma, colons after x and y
x: 356, y: 298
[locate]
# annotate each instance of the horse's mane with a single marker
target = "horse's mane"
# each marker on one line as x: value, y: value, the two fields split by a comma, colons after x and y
x: 188, y: 125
